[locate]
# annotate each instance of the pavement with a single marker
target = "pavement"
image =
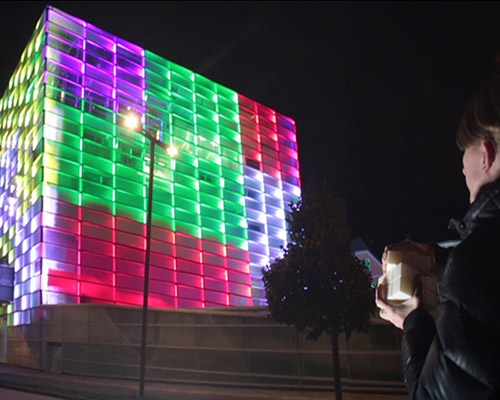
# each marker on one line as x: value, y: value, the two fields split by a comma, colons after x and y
x: 9, y: 394
x: 76, y: 387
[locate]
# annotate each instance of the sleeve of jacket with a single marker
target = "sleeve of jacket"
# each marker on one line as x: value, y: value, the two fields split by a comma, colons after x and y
x: 419, y: 332
x: 458, y: 356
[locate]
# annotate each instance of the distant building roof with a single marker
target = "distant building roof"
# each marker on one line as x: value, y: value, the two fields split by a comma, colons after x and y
x: 362, y: 252
x: 358, y: 245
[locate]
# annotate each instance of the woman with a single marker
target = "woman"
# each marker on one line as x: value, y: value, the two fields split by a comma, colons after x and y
x: 457, y: 356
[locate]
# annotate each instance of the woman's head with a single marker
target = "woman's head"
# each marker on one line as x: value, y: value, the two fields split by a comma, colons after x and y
x: 478, y: 136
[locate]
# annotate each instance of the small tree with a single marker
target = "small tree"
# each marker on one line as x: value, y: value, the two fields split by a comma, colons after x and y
x: 319, y: 286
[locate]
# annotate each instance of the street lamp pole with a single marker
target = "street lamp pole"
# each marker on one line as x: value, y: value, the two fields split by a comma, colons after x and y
x: 146, y: 267
x: 131, y: 121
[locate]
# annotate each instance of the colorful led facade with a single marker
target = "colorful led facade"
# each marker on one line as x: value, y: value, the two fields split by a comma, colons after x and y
x: 74, y: 177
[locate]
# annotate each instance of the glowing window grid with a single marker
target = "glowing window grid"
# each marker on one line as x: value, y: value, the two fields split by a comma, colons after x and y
x: 73, y: 177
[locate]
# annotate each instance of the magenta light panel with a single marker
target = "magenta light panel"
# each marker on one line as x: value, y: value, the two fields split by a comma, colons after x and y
x: 76, y: 121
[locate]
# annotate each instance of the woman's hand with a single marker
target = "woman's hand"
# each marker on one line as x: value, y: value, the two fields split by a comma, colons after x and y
x: 395, y: 312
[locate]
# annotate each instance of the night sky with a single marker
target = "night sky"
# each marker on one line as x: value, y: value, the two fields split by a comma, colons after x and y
x: 376, y: 89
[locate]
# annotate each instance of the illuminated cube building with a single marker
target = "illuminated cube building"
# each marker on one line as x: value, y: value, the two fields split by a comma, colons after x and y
x: 74, y: 177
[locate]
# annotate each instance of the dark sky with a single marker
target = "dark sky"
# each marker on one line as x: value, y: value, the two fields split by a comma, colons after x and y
x: 376, y: 89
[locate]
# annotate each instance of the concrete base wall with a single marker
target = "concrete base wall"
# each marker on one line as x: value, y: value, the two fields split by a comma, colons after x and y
x: 226, y: 346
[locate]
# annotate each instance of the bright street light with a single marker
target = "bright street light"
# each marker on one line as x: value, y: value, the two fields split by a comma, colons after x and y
x: 131, y: 121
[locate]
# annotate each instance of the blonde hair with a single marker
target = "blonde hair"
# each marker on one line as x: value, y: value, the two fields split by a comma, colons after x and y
x: 481, y: 120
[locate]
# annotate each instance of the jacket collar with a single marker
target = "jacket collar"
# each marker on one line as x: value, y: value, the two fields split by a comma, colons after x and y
x: 485, y: 208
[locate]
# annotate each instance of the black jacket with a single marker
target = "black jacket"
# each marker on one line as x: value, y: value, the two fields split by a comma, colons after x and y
x: 457, y: 356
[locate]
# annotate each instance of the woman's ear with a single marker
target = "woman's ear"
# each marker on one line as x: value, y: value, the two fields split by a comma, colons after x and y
x: 489, y: 154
